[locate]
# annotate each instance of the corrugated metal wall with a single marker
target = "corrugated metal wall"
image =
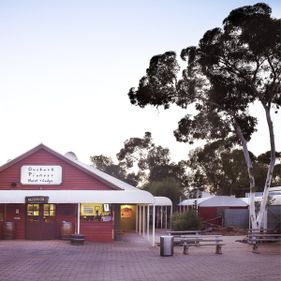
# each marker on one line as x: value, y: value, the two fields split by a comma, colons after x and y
x: 274, y: 218
x: 236, y: 217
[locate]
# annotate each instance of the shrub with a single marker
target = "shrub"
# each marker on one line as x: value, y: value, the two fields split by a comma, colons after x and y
x: 186, y: 221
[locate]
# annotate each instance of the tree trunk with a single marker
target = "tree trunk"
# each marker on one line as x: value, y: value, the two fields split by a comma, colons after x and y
x: 249, y: 164
x: 270, y: 168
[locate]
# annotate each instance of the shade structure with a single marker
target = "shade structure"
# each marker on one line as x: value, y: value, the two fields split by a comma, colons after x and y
x: 162, y: 201
x: 80, y: 196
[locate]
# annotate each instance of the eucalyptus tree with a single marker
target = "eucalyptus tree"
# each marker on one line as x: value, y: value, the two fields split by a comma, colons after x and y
x: 150, y: 161
x: 141, y: 161
x: 169, y: 187
x: 223, y: 172
x: 232, y: 68
x: 118, y: 171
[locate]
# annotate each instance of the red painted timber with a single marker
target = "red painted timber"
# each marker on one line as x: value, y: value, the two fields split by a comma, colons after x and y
x: 97, y: 231
x: 19, y: 219
x: 73, y: 177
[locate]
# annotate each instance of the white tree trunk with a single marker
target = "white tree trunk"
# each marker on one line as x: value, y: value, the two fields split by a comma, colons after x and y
x: 270, y: 168
x: 252, y: 209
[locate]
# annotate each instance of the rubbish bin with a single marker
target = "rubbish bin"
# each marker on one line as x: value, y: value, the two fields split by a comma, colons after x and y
x: 166, y: 245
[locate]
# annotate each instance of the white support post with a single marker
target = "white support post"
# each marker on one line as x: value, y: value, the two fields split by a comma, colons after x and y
x: 171, y: 214
x: 78, y: 218
x: 264, y: 220
x: 161, y: 217
x: 153, y: 225
x: 166, y: 217
x: 140, y: 215
x: 137, y: 217
x: 147, y: 223
x: 143, y: 220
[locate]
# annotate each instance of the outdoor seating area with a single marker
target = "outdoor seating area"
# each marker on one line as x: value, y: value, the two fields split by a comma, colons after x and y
x: 256, y: 237
x: 201, y: 241
x: 196, y: 238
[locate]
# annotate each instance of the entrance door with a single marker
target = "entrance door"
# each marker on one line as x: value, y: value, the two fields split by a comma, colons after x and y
x: 41, y: 223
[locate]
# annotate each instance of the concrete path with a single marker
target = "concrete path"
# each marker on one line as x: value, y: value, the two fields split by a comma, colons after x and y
x: 133, y: 259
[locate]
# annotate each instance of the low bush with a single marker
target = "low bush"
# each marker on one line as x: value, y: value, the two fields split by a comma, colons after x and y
x: 186, y: 221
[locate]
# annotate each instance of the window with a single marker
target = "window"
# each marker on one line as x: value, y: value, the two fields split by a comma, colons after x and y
x: 33, y: 210
x: 49, y: 210
x: 36, y: 210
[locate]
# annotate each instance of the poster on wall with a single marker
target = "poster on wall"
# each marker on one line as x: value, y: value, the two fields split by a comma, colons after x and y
x: 41, y: 174
x: 126, y: 212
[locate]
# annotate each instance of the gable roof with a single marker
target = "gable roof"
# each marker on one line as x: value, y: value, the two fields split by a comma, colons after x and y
x: 214, y: 201
x: 95, y: 173
x: 122, y: 193
x: 223, y: 201
x: 192, y: 201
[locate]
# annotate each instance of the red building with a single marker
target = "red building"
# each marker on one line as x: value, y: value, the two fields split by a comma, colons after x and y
x: 46, y: 195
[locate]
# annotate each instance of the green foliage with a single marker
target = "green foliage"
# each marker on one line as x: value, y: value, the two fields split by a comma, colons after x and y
x: 152, y: 161
x: 118, y: 171
x: 222, y: 170
x: 231, y: 68
x: 142, y: 162
x: 186, y: 221
x: 157, y: 87
x: 168, y: 187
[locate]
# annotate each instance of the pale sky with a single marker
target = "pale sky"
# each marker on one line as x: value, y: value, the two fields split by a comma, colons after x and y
x: 66, y: 68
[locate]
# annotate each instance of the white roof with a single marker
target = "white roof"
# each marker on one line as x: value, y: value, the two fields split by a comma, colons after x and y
x: 214, y: 201
x: 86, y: 196
x: 223, y: 201
x: 191, y: 202
x: 275, y: 199
x: 80, y: 196
x: 162, y: 201
x: 123, y: 193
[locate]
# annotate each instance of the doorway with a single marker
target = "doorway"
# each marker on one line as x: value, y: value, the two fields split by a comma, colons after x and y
x: 41, y: 222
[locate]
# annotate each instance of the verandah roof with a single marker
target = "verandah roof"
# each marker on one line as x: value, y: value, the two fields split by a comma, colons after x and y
x: 122, y: 193
x: 80, y: 196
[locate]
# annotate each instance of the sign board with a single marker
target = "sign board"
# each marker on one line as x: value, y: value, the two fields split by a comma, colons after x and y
x: 36, y: 199
x: 41, y: 175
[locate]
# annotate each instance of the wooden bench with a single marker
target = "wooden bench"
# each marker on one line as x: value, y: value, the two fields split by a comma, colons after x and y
x: 255, y: 238
x: 197, y: 240
x: 203, y: 240
x: 184, y: 232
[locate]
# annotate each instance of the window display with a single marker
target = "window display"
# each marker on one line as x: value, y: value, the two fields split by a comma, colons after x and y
x: 96, y: 212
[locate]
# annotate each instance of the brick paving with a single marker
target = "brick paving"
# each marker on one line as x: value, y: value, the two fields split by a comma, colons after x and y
x: 133, y: 259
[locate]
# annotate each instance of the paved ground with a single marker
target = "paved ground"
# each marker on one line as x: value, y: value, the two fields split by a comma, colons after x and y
x: 133, y: 259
